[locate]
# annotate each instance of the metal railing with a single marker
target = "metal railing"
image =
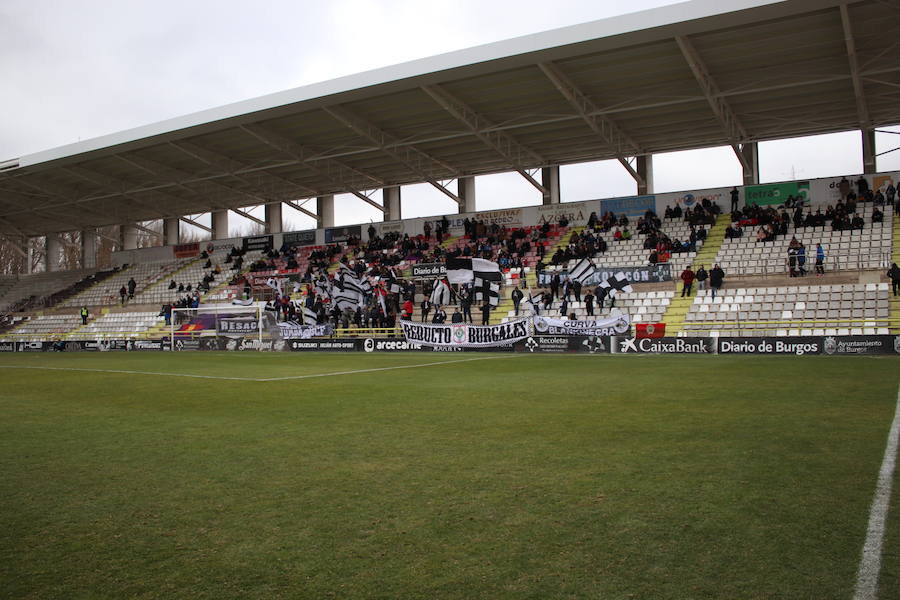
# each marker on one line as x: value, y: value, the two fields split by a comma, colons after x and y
x: 780, y: 266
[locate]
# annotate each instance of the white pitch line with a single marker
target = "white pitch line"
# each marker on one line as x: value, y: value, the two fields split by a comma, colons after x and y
x: 443, y: 362
x: 290, y: 377
x: 870, y: 564
x: 127, y: 372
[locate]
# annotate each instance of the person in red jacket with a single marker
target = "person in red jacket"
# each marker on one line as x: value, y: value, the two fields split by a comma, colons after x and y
x: 687, y: 277
x: 407, y: 310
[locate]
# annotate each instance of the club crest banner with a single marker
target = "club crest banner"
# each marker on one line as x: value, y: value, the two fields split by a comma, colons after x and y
x: 616, y: 325
x: 464, y: 335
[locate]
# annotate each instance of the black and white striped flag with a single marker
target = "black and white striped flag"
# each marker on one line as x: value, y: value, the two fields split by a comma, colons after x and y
x: 582, y: 271
x: 487, y: 290
x: 309, y: 316
x: 440, y: 295
x: 465, y: 270
x: 617, y: 283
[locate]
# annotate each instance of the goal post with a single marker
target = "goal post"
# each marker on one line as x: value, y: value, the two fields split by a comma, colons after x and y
x: 216, y: 327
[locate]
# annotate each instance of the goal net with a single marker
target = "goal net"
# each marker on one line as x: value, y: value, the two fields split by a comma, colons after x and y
x: 219, y: 327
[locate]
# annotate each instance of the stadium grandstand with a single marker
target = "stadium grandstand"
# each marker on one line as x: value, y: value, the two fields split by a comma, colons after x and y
x: 528, y: 105
x: 545, y: 460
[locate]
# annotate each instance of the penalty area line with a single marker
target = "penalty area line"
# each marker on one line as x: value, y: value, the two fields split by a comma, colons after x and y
x: 870, y: 563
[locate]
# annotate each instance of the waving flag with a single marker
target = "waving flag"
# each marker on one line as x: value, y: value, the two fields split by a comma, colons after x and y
x: 465, y: 270
x: 617, y: 283
x: 582, y: 271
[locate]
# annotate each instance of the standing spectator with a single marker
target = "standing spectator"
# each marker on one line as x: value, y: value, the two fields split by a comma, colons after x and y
x: 516, y: 296
x: 457, y: 317
x: 554, y: 286
x: 84, y: 315
x: 371, y: 232
x: 687, y: 278
x: 589, y: 303
x: 735, y: 195
x: 465, y: 302
x: 123, y: 292
x: 407, y: 310
x: 132, y: 285
x: 600, y: 293
x: 426, y: 308
x: 427, y: 229
x: 820, y: 260
x: 564, y: 307
x: 894, y: 274
x: 486, y: 313
x: 576, y: 289
x: 701, y: 277
x: 801, y: 259
x: 716, y: 277
x: 439, y: 315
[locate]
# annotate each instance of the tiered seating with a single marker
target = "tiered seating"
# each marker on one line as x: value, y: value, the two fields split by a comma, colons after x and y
x: 189, y: 273
x: 844, y: 250
x: 845, y: 309
x: 43, y: 327
x: 39, y: 285
x: 107, y: 291
x: 530, y: 259
x: 644, y: 307
x: 119, y: 326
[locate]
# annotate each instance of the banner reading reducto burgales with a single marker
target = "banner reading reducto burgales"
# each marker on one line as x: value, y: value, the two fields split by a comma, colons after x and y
x: 616, y: 325
x: 463, y: 335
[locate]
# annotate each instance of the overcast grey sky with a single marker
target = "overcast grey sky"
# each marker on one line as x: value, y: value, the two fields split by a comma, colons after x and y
x: 77, y: 70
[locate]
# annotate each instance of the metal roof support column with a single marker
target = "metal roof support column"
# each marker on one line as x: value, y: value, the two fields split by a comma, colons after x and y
x: 868, y: 149
x: 391, y: 199
x: 274, y: 223
x: 325, y: 210
x: 751, y: 158
x: 550, y: 179
x: 128, y: 233
x: 465, y: 189
x: 54, y: 252
x: 171, y: 231
x: 88, y: 248
x: 219, y: 220
x: 645, y: 171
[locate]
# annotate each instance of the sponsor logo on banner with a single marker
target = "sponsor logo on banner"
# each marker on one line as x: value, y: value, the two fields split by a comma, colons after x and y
x: 260, y: 242
x: 634, y: 206
x: 775, y: 193
x: 238, y: 325
x: 181, y: 345
x: 344, y: 345
x: 464, y: 335
x: 300, y: 238
x: 392, y: 227
x: 373, y: 345
x: 186, y: 250
x: 857, y: 345
x: 147, y: 345
x: 897, y: 344
x: 342, y: 234
x: 623, y: 345
x: 7, y: 347
x: 691, y: 199
x: 645, y: 274
x: 32, y: 346
x: 429, y: 270
x: 617, y: 325
x: 539, y: 344
x: 577, y: 213
x: 797, y: 346
x: 292, y: 330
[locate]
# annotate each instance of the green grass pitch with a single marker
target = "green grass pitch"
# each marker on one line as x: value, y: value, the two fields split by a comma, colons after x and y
x: 503, y: 477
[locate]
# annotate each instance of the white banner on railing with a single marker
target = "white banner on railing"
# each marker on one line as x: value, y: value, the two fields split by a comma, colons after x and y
x: 614, y: 325
x: 464, y: 335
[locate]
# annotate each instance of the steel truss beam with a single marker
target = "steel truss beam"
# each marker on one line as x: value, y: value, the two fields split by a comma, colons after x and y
x: 190, y: 221
x: 332, y: 169
x: 735, y: 133
x: 605, y: 128
x: 859, y: 91
x: 518, y: 156
x: 232, y: 167
x: 429, y: 168
x: 303, y: 210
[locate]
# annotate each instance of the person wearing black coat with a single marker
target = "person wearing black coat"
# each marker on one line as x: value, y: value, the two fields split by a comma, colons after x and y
x: 517, y: 296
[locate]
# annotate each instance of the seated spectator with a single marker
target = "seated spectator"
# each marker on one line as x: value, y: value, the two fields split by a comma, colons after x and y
x: 877, y: 215
x: 856, y: 223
